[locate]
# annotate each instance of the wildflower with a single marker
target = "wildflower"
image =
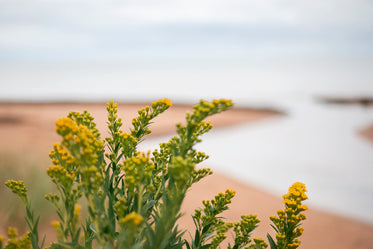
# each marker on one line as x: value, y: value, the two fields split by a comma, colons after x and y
x: 221, y: 230
x: 243, y: 229
x: 1, y: 241
x: 138, y: 170
x: 287, y: 221
x: 12, y: 232
x: 121, y: 207
x: 60, y: 175
x: 198, y: 174
x: 77, y: 209
x: 214, y: 207
x: 55, y: 224
x: 128, y: 143
x: 180, y: 170
x: 146, y: 114
x: 204, y: 108
x: 162, y: 103
x: 53, y: 198
x: 259, y: 244
x: 132, y: 219
x: 167, y: 102
x: 57, y: 227
x: 18, y: 187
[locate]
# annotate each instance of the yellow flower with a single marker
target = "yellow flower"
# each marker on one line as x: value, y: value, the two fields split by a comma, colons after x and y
x: 1, y: 241
x: 291, y: 216
x: 77, y: 209
x: 57, y: 227
x: 132, y: 219
x: 167, y: 102
x: 12, y: 232
x: 17, y: 187
x: 55, y: 224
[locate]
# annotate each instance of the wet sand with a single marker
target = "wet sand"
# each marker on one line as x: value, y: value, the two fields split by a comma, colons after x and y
x: 367, y: 133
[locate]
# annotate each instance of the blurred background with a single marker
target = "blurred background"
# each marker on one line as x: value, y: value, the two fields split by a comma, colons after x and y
x: 312, y: 61
x: 246, y: 50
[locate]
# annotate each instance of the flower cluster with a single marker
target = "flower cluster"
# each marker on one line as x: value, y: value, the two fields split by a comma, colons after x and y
x: 221, y: 230
x: 180, y: 170
x: 60, y: 175
x: 30, y: 238
x: 114, y: 122
x: 79, y: 152
x: 287, y: 222
x: 205, y: 108
x: 146, y: 114
x: 57, y: 227
x: 217, y: 205
x: 258, y: 244
x: 121, y: 207
x: 208, y: 222
x: 161, y: 104
x: 15, y: 242
x: 132, y: 219
x: 138, y: 170
x: 128, y: 143
x: 80, y: 137
x: 18, y: 187
x: 61, y: 156
x: 162, y: 155
x: 114, y: 126
x: 244, y: 228
x: 211, y: 229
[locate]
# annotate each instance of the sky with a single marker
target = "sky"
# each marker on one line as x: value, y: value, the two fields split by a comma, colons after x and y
x: 33, y: 31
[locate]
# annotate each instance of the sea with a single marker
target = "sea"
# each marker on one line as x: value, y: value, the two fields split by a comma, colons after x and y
x: 313, y: 142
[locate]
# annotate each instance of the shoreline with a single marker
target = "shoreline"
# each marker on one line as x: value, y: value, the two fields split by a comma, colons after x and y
x: 25, y: 123
x: 367, y: 133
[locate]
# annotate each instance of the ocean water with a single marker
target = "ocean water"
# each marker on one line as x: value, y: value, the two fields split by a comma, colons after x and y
x: 261, y: 82
x: 315, y: 143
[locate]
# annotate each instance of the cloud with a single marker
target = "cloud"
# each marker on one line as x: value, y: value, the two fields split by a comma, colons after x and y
x: 115, y: 13
x: 16, y: 36
x: 116, y: 28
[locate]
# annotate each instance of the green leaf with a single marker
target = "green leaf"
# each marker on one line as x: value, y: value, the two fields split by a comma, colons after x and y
x: 205, y: 246
x: 206, y: 236
x: 275, y: 228
x: 42, y: 243
x: 206, y: 228
x: 271, y: 242
x: 76, y: 237
x: 196, y: 239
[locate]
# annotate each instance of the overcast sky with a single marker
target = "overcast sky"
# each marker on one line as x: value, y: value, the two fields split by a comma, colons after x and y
x: 86, y: 30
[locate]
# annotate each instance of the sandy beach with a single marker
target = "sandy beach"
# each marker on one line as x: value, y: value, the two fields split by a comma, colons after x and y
x: 367, y: 133
x: 27, y: 129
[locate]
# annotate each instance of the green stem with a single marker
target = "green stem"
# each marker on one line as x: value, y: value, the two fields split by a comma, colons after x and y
x: 139, y: 201
x: 95, y: 220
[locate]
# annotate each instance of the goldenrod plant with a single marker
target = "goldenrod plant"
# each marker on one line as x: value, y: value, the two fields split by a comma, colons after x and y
x: 131, y: 199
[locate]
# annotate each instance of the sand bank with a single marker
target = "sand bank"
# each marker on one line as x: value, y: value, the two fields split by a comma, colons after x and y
x: 367, y: 133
